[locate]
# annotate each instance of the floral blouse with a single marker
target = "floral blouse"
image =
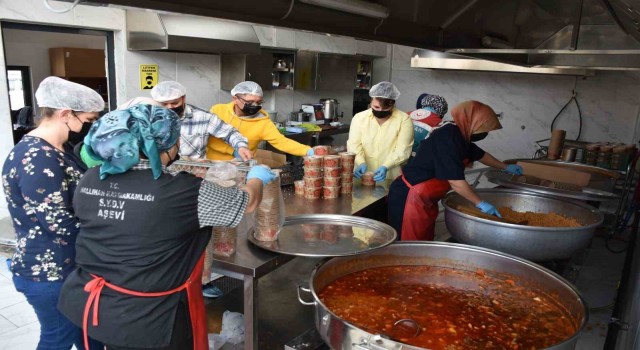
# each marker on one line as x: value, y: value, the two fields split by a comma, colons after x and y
x: 39, y: 181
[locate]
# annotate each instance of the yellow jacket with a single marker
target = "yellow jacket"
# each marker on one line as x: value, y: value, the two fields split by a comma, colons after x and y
x: 377, y: 145
x: 255, y: 130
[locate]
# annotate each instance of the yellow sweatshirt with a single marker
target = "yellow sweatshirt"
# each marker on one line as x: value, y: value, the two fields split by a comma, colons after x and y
x: 255, y: 130
x: 376, y: 145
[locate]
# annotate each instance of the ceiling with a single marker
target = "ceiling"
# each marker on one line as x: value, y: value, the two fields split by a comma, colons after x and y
x: 523, y: 32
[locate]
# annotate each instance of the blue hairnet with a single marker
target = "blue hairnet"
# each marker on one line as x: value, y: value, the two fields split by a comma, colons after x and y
x: 119, y: 136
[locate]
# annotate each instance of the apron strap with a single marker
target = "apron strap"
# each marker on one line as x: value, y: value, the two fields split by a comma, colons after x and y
x: 404, y: 179
x: 94, y: 288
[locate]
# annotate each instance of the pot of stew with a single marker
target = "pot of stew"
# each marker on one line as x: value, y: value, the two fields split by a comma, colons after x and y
x: 442, y: 296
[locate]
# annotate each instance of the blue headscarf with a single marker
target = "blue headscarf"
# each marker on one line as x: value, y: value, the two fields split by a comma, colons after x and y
x: 434, y: 103
x: 118, y: 137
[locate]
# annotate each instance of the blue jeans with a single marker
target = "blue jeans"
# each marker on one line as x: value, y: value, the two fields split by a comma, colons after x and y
x: 56, y: 331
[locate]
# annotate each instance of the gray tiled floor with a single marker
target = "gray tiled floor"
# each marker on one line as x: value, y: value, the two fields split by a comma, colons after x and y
x: 19, y: 328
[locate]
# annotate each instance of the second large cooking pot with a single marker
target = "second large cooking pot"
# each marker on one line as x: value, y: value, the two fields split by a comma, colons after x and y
x: 529, y: 242
x: 340, y: 334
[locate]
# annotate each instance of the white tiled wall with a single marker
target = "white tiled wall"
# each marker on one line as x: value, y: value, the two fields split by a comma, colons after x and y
x: 609, y: 101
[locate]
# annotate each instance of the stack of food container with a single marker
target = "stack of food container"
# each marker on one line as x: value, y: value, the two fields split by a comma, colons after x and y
x: 311, y: 185
x: 326, y: 175
x: 270, y: 212
x: 347, y: 160
x: 332, y: 177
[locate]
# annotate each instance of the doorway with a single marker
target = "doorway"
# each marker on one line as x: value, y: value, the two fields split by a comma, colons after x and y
x: 33, y: 52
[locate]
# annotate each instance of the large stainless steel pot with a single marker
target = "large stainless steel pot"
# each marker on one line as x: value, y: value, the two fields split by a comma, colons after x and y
x: 340, y: 334
x: 532, y: 243
x: 330, y: 108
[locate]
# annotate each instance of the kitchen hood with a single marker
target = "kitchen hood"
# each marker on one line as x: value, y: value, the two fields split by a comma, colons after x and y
x: 422, y: 58
x: 575, y: 34
x: 152, y: 31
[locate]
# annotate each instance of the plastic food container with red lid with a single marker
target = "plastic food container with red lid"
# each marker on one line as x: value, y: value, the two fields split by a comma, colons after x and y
x: 313, y: 161
x: 312, y: 172
x: 332, y: 181
x: 312, y: 182
x: 299, y: 187
x: 331, y: 192
x: 331, y: 161
x: 346, y: 188
x: 332, y: 172
x: 312, y: 192
x: 346, y: 178
x: 367, y: 179
x: 321, y: 150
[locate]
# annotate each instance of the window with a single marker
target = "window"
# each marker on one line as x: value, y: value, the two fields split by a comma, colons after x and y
x: 20, y: 92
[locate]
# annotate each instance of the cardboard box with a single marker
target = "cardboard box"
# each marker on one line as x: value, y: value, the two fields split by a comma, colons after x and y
x: 270, y: 159
x: 556, y: 174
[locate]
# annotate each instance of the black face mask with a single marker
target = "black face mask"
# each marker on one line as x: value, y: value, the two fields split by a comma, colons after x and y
x: 381, y: 114
x: 250, y: 110
x: 76, y: 137
x: 179, y: 110
x: 479, y: 136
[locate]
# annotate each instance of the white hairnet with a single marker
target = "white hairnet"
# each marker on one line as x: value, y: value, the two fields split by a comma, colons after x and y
x: 58, y: 93
x: 384, y: 89
x: 167, y: 91
x: 247, y: 88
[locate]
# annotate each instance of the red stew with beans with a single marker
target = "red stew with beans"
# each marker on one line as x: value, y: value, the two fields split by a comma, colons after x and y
x: 455, y: 309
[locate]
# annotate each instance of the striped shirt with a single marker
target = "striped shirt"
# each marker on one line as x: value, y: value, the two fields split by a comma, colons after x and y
x: 217, y: 205
x: 198, y: 125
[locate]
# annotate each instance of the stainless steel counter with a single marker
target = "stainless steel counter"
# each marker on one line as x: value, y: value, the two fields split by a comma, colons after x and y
x: 249, y: 263
x: 252, y: 261
x: 354, y: 204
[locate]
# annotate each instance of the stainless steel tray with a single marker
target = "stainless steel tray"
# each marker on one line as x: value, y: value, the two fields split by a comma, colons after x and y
x: 328, y: 235
x: 587, y: 194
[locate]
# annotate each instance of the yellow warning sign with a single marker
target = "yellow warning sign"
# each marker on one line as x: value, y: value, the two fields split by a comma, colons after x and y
x: 148, y: 76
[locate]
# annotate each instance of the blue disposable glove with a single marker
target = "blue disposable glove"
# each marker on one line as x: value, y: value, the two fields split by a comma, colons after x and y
x: 360, y: 170
x: 513, y: 169
x: 380, y: 174
x: 488, y: 208
x: 310, y: 152
x: 261, y: 172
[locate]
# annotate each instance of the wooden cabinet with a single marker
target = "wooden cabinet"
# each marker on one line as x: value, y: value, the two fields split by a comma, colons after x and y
x: 320, y: 72
x: 305, y: 70
x: 82, y: 66
x: 69, y: 62
x: 335, y: 72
